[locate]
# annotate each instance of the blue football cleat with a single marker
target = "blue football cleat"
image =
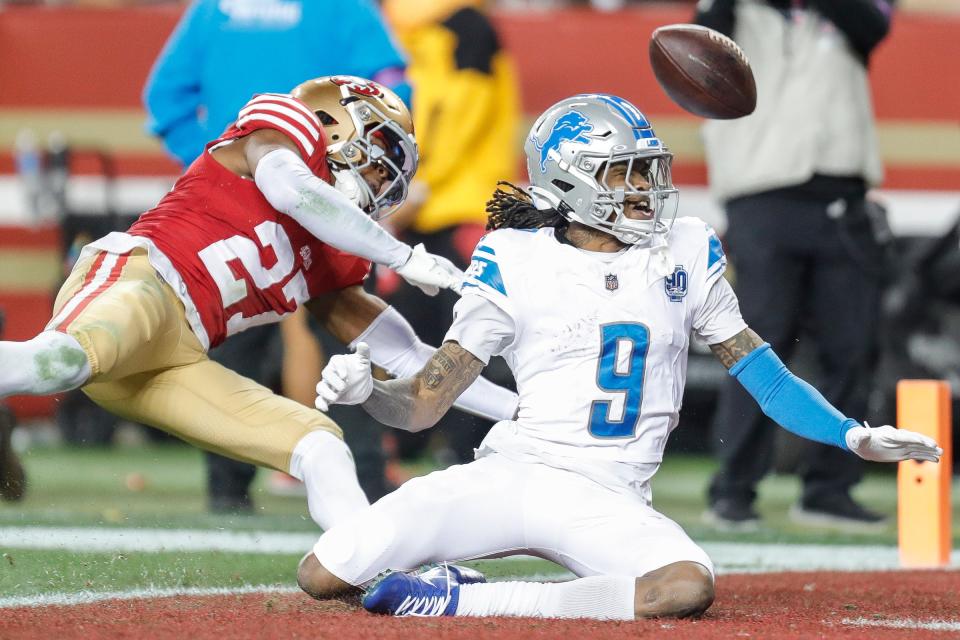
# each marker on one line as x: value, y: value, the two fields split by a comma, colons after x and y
x: 433, y: 592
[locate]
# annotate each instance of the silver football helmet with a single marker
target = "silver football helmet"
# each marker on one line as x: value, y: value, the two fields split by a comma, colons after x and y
x: 579, y: 144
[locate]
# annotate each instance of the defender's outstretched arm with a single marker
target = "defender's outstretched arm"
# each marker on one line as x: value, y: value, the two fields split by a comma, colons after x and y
x: 291, y: 187
x: 800, y: 408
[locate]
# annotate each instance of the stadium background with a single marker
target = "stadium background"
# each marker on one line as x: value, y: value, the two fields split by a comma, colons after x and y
x: 80, y: 71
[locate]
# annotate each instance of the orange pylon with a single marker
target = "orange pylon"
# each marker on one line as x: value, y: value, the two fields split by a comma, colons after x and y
x: 923, y: 488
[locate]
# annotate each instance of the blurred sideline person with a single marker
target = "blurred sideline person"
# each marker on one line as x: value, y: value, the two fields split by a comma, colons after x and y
x: 270, y: 217
x: 793, y: 178
x: 466, y: 112
x: 590, y: 290
x: 219, y: 55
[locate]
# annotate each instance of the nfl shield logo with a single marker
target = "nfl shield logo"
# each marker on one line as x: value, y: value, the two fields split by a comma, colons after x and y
x: 611, y: 281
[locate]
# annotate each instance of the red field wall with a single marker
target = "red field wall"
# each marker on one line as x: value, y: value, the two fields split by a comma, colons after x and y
x: 81, y: 58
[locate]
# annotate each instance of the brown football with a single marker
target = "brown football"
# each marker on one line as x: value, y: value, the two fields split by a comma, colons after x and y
x: 703, y: 71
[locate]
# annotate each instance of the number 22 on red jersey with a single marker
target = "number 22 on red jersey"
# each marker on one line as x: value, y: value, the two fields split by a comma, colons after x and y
x: 234, y: 288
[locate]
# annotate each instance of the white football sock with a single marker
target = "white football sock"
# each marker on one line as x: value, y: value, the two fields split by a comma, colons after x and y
x: 325, y: 465
x: 52, y: 362
x: 597, y: 597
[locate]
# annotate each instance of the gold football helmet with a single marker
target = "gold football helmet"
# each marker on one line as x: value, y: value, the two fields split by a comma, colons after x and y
x: 365, y: 124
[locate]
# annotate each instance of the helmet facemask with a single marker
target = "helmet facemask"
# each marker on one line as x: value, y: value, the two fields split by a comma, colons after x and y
x: 627, y: 187
x: 384, y: 145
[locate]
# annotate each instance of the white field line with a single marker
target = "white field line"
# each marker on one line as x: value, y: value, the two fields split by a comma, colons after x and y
x: 729, y: 557
x: 738, y: 557
x: 904, y: 623
x: 88, y: 597
x: 153, y: 540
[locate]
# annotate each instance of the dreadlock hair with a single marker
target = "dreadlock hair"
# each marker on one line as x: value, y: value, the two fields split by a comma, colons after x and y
x: 512, y: 208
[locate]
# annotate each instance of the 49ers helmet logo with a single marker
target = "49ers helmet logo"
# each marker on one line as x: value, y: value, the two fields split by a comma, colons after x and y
x: 357, y: 85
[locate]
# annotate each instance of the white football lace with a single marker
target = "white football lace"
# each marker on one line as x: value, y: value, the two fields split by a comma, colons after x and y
x: 426, y: 606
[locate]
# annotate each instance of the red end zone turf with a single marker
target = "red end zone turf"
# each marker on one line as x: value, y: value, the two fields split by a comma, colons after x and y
x: 788, y: 605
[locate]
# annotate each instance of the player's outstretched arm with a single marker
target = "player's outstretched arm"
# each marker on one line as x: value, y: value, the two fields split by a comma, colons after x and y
x: 291, y: 187
x: 800, y: 408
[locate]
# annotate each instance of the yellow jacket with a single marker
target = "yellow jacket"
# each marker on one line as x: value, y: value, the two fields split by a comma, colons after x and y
x: 466, y: 107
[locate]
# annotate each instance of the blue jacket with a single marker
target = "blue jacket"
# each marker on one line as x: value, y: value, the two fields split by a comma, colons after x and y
x: 222, y: 52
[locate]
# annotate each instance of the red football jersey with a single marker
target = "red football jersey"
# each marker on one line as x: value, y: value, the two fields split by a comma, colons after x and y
x: 243, y: 263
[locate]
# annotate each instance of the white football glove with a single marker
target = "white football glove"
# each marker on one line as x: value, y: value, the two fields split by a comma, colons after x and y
x: 430, y: 272
x: 889, y: 444
x: 347, y: 379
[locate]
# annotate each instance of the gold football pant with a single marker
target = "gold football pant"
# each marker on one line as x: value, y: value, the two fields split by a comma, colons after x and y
x: 148, y: 366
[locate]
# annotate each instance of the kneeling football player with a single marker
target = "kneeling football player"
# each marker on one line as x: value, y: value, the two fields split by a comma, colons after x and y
x: 590, y: 290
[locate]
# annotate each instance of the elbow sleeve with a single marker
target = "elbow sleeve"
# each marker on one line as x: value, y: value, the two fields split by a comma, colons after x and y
x: 394, y: 344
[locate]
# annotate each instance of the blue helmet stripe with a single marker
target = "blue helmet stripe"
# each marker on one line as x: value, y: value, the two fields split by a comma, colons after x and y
x: 637, y: 117
x: 641, y: 126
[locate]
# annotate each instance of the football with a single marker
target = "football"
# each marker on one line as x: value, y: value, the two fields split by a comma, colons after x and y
x: 703, y: 71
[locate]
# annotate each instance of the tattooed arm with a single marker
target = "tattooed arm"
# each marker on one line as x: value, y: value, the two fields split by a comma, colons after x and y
x: 417, y: 403
x: 731, y: 351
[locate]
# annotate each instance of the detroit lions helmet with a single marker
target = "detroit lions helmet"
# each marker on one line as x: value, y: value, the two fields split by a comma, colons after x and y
x: 574, y: 147
x: 354, y: 113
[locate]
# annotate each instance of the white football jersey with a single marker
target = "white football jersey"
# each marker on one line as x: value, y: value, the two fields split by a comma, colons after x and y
x: 599, y: 344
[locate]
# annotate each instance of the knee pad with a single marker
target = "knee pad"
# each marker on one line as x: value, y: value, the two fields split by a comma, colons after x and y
x: 358, y: 549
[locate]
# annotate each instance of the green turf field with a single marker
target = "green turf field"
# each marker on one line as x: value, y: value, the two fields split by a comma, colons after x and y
x: 89, y: 488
